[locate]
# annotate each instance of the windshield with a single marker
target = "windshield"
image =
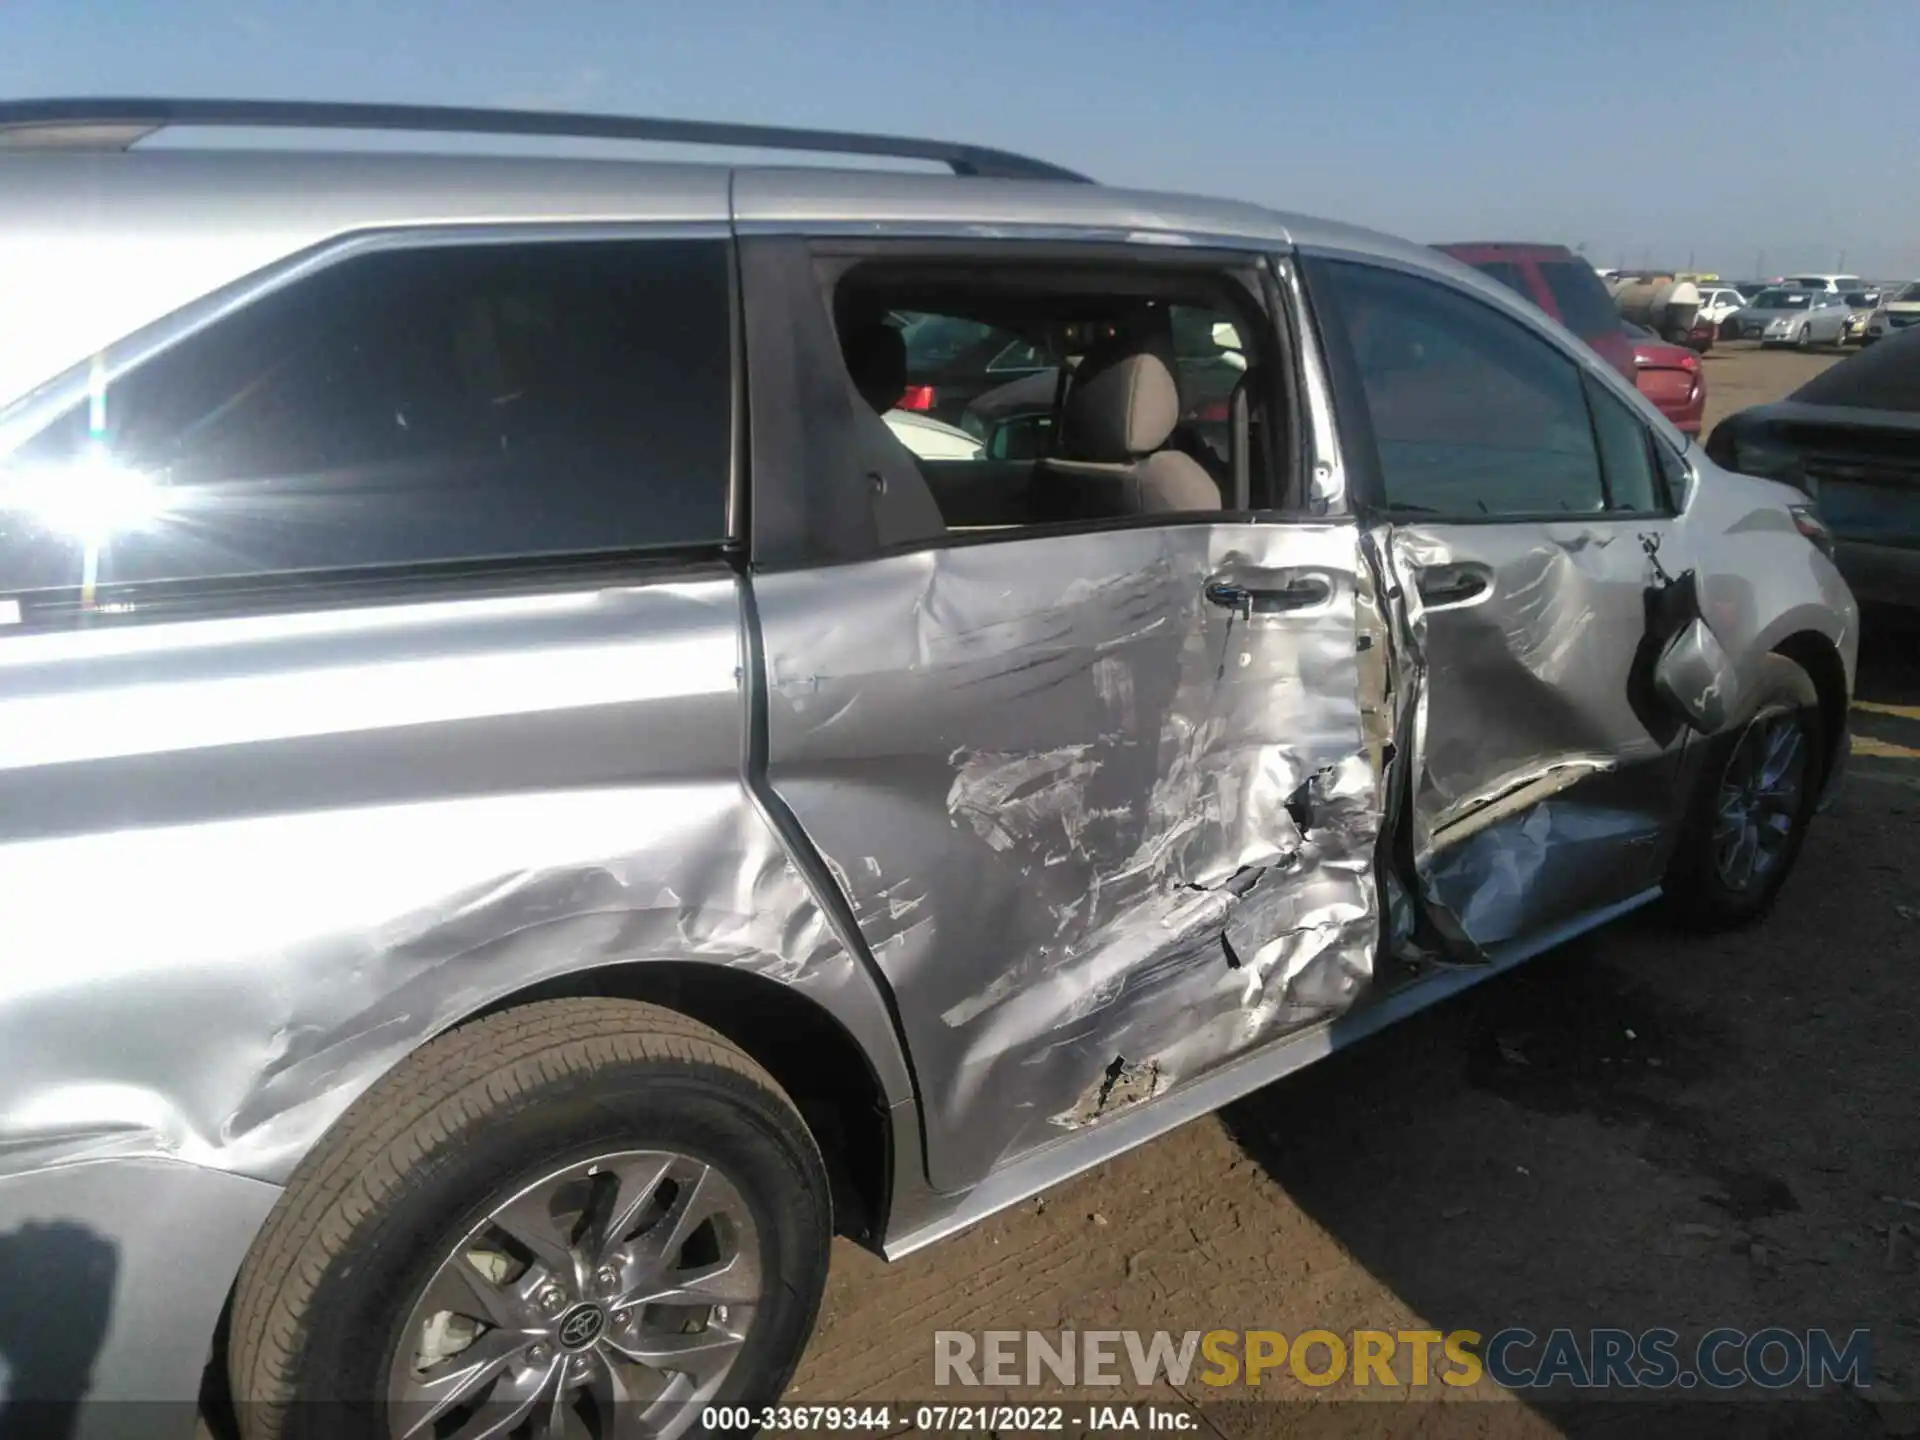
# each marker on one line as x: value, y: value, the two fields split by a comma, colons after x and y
x: 1909, y: 293
x: 1783, y: 300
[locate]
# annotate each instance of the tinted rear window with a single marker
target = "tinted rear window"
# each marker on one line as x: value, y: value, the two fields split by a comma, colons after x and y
x: 403, y: 407
x: 1508, y: 274
x: 1585, y: 307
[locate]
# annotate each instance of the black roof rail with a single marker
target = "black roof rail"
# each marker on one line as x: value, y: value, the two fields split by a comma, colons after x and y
x: 120, y: 123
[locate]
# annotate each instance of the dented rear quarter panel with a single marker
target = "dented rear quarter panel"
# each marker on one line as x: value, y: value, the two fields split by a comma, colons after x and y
x: 1761, y: 582
x: 248, y: 865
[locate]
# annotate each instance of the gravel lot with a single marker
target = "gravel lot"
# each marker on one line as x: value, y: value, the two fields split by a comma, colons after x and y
x: 1639, y: 1130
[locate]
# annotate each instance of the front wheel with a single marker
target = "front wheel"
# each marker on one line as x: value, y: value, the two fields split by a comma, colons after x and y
x: 576, y: 1217
x: 1752, y: 804
x: 1804, y: 338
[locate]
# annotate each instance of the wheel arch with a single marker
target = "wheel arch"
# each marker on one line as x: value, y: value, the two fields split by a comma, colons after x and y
x: 825, y: 1071
x: 1816, y: 654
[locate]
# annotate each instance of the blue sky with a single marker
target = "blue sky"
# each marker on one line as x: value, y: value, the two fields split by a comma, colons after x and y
x: 1721, y: 130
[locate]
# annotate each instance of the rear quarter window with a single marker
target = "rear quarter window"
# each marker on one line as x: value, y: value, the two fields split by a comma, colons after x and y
x: 399, y: 408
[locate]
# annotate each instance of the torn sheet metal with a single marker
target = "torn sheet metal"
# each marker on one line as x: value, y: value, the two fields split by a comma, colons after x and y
x: 1516, y: 694
x: 1079, y: 777
x: 215, y: 969
x: 1695, y: 676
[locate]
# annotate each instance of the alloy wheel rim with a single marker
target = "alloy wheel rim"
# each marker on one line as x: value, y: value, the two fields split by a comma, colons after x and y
x: 1761, y: 790
x: 608, y: 1298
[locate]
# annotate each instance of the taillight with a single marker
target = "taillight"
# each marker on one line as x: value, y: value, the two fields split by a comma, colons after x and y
x: 916, y: 397
x: 1213, y: 413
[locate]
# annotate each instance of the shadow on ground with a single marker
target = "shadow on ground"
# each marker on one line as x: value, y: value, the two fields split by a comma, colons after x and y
x: 1645, y: 1130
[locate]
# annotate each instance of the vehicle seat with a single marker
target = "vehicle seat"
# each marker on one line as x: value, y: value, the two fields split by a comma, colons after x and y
x: 904, y: 509
x: 1121, y: 408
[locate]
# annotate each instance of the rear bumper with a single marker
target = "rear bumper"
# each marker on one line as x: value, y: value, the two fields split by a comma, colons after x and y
x: 113, y: 1275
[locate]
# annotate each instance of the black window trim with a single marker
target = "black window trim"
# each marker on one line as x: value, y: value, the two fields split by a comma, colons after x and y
x: 1355, y: 422
x: 781, y: 545
x: 222, y: 597
x: 1663, y: 508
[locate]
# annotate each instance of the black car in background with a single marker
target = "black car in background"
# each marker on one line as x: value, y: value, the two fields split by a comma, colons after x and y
x: 1850, y: 438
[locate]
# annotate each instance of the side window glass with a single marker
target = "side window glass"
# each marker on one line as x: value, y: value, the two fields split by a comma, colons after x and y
x: 1472, y: 415
x: 401, y: 407
x: 1121, y: 391
x: 968, y: 380
x: 1626, y: 453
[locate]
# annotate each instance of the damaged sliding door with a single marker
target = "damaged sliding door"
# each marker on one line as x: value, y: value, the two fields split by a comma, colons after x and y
x: 1100, y: 803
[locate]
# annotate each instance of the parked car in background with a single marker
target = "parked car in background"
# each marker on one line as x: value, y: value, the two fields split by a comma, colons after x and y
x: 931, y: 439
x: 1898, y: 310
x: 1670, y: 376
x: 1718, y: 303
x: 1860, y: 307
x: 951, y: 360
x: 1831, y: 284
x: 1566, y: 287
x: 1850, y: 439
x: 1795, y: 317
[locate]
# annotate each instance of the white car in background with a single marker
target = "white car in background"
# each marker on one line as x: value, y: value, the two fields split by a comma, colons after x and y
x: 931, y: 439
x: 1718, y: 302
x: 1899, y: 309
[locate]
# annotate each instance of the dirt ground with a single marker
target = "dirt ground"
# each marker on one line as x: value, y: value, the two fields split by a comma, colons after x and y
x: 1639, y: 1130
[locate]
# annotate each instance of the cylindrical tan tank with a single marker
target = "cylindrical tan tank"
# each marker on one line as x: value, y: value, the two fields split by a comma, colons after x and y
x: 1663, y: 304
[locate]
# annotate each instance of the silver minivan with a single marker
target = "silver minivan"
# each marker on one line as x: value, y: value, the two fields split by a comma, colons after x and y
x: 525, y: 808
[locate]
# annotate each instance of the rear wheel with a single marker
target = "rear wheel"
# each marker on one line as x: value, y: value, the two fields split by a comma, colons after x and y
x: 1752, y: 804
x: 579, y: 1217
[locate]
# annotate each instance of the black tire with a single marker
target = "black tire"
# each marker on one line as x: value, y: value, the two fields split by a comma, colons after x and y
x: 1698, y: 892
x: 462, y: 1124
x: 1804, y: 339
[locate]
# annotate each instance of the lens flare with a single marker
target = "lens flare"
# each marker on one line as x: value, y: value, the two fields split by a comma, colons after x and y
x: 91, y: 498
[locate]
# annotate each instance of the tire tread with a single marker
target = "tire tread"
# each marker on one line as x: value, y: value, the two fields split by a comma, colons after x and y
x: 417, y: 1110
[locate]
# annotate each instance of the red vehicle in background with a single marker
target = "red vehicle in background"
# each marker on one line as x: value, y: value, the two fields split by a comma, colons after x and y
x: 1670, y: 376
x: 1566, y: 287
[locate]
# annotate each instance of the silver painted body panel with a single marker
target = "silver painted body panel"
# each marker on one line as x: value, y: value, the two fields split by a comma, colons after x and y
x: 1540, y: 792
x: 1039, y: 767
x: 332, y: 835
x: 1072, y: 1155
x: 128, y: 1262
x: 1109, y: 849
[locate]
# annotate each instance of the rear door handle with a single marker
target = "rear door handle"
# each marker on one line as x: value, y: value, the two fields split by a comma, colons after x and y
x: 1454, y: 584
x: 1291, y: 592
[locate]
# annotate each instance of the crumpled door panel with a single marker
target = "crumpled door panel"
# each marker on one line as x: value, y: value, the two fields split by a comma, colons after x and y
x: 1543, y: 779
x: 1101, y: 829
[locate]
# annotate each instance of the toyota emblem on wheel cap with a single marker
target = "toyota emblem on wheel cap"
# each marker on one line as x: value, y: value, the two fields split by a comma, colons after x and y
x: 581, y: 1326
